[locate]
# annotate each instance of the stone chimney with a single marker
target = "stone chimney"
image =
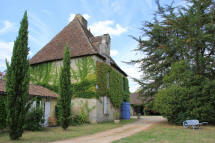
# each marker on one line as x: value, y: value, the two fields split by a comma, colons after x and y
x: 82, y: 20
x: 104, y: 47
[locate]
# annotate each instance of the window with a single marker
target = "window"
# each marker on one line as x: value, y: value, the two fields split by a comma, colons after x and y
x: 105, y: 105
x: 108, y: 80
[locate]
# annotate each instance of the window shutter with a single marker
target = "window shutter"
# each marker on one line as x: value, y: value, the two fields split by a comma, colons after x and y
x: 105, y: 105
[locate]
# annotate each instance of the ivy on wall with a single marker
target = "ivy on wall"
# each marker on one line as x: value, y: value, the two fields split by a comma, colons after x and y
x: 84, y: 69
x: 46, y: 75
x: 83, y: 76
x: 117, y: 90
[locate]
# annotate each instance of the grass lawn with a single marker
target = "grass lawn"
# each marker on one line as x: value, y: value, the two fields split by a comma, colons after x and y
x: 57, y: 133
x: 166, y: 133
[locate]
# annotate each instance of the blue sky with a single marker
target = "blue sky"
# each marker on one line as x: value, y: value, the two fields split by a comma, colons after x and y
x: 119, y: 18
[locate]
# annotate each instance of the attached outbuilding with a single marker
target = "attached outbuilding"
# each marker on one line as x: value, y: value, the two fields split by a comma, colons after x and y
x: 48, y: 100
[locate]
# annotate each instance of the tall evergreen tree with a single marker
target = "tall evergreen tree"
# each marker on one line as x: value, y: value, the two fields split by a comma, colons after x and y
x: 17, y: 83
x: 177, y: 33
x: 65, y: 92
x: 2, y: 112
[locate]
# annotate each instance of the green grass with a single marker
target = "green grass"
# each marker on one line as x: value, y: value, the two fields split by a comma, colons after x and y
x: 166, y: 133
x: 57, y: 133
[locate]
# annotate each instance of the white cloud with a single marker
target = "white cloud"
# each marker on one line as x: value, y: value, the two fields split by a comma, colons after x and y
x: 7, y: 27
x: 113, y: 53
x: 6, y: 49
x: 108, y: 26
x: 86, y: 16
x: 72, y: 15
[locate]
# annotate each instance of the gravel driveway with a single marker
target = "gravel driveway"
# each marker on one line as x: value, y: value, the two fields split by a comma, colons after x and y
x: 115, y: 134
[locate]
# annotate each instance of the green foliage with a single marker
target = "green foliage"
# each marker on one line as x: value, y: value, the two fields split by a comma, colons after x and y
x: 83, y: 116
x: 3, y: 114
x: 17, y: 83
x: 76, y: 120
x: 116, y: 115
x: 115, y: 91
x: 84, y: 89
x: 58, y: 109
x: 85, y: 69
x: 126, y: 92
x: 149, y: 108
x: 177, y: 33
x: 82, y: 76
x: 186, y: 96
x: 65, y: 92
x: 46, y: 75
x: 34, y: 119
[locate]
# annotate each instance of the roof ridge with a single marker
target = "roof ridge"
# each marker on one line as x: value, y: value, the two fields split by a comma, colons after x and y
x: 50, y: 40
x: 86, y: 36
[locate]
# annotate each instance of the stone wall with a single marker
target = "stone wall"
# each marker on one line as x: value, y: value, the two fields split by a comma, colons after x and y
x: 97, y: 106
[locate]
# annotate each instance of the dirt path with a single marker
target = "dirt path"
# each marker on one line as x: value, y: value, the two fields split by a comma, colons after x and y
x: 117, y: 133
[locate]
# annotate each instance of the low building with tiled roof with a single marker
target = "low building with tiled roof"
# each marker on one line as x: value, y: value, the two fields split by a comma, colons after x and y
x: 34, y: 90
x: 44, y: 94
x: 87, y: 52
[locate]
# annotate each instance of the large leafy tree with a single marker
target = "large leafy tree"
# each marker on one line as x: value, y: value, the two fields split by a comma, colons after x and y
x: 186, y: 95
x: 17, y: 83
x: 177, y: 33
x: 65, y: 91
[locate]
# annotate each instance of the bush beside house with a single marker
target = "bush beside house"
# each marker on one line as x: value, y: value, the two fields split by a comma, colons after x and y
x: 186, y: 96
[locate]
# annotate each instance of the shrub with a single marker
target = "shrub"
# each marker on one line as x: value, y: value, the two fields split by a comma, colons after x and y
x: 186, y: 96
x: 83, y: 116
x: 77, y: 120
x: 34, y: 119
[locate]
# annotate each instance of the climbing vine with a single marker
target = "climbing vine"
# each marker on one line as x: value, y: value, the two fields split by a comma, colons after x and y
x: 83, y: 76
x: 46, y: 75
x: 84, y: 69
x: 117, y: 89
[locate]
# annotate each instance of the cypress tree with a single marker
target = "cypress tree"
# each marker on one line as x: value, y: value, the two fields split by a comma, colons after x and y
x: 17, y: 83
x: 2, y: 112
x: 65, y: 85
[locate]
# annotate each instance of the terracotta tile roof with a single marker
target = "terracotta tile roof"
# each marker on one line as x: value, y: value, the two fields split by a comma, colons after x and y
x: 75, y: 36
x: 34, y: 90
x: 136, y: 99
x: 80, y: 40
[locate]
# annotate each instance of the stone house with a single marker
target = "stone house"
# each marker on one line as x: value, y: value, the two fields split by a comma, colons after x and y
x: 87, y: 51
